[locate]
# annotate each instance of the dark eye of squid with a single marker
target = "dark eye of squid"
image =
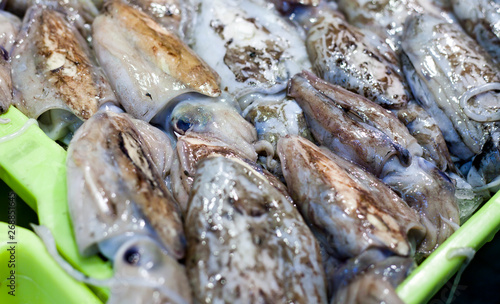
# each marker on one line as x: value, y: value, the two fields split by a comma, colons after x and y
x: 132, y: 256
x: 183, y: 125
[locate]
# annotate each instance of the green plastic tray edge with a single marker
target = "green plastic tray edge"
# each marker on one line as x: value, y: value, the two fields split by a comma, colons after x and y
x: 34, y: 166
x: 30, y: 256
x: 437, y: 269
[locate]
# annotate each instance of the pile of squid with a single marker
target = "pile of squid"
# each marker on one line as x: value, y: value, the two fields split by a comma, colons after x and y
x: 253, y: 151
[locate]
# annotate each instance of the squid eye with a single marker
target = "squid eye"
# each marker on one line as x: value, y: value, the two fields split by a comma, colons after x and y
x: 183, y: 125
x: 132, y: 256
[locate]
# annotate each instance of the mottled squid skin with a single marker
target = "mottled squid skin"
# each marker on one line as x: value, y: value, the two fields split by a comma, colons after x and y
x: 190, y: 150
x: 425, y: 130
x: 169, y: 13
x: 252, y: 47
x: 255, y: 50
x: 381, y: 193
x: 79, y: 12
x: 5, y: 83
x: 247, y: 242
x: 274, y: 118
x: 367, y: 289
x: 342, y: 212
x: 370, y: 277
x: 481, y: 20
x: 9, y: 27
x: 431, y: 193
x: 423, y: 187
x: 349, y: 130
x: 454, y: 80
x: 159, y: 145
x: 385, y: 267
x: 343, y: 55
x: 205, y: 129
x: 358, y: 61
x: 115, y: 188
x: 385, y: 17
x: 147, y: 65
x: 217, y: 120
x: 365, y: 110
x: 53, y: 68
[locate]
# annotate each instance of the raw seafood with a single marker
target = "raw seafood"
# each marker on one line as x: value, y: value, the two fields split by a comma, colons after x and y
x: 370, y: 277
x: 205, y: 129
x: 54, y: 73
x: 147, y: 65
x: 175, y: 15
x: 373, y: 121
x: 352, y: 130
x: 247, y: 242
x: 430, y: 192
x: 356, y: 218
x: 342, y: 213
x: 5, y: 82
x: 427, y: 133
x: 145, y: 273
x: 377, y: 149
x: 80, y: 13
x: 346, y: 56
x: 255, y: 51
x: 159, y: 146
x: 481, y: 20
x: 217, y: 120
x: 120, y: 207
x: 208, y: 128
x: 454, y: 80
x: 9, y: 27
x: 115, y: 188
x: 343, y: 55
x: 458, y: 83
x: 387, y: 18
x: 276, y: 116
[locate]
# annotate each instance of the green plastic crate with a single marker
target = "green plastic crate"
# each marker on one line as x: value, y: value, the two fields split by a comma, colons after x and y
x: 34, y: 167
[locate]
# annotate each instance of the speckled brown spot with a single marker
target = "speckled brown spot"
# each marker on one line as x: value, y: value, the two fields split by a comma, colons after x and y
x: 65, y: 64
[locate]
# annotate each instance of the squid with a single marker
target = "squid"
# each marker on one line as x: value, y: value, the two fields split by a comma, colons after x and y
x: 247, y: 243
x: 55, y: 78
x: 121, y: 208
x: 147, y: 65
